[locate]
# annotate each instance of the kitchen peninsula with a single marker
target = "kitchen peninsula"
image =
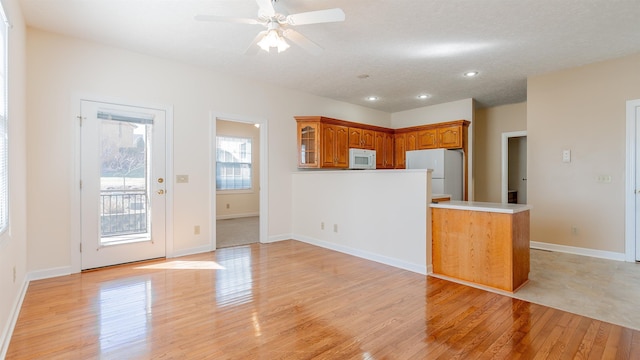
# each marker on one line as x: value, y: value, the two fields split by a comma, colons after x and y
x: 481, y: 243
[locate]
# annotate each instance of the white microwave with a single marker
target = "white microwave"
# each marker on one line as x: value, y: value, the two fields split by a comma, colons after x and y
x: 362, y: 159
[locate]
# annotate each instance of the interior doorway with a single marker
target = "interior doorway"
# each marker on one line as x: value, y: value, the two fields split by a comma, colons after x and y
x: 239, y: 185
x: 514, y: 167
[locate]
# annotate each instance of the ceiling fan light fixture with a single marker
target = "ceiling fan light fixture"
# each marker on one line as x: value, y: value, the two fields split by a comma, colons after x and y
x: 272, y: 39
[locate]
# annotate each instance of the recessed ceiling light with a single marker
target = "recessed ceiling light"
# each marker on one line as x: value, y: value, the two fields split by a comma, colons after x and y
x: 372, y: 98
x: 424, y: 96
x: 471, y: 73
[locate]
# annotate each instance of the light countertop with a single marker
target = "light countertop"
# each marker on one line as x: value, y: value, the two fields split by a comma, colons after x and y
x: 482, y: 206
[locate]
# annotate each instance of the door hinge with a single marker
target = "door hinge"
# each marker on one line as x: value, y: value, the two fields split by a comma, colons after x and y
x: 80, y: 247
x: 80, y: 118
x: 80, y: 184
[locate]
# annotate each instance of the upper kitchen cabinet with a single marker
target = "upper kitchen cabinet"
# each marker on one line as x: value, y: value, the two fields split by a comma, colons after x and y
x: 308, y: 144
x: 399, y: 150
x: 427, y: 139
x: 384, y: 150
x: 451, y: 137
x: 360, y: 138
x: 324, y: 142
x: 334, y: 148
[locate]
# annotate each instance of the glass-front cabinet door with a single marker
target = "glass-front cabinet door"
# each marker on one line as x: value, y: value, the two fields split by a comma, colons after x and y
x: 308, y: 144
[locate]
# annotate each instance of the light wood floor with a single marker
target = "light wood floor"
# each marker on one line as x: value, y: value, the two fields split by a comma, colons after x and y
x: 291, y: 300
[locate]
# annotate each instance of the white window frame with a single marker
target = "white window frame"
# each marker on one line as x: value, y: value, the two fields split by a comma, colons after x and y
x: 236, y: 191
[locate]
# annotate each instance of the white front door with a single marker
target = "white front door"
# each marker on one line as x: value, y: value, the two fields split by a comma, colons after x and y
x: 122, y: 169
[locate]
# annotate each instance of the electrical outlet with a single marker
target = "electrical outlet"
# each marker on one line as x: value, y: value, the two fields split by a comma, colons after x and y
x: 322, y: 225
x: 604, y: 179
x: 574, y: 230
x: 335, y: 228
x: 228, y: 206
x: 566, y: 156
x: 196, y: 230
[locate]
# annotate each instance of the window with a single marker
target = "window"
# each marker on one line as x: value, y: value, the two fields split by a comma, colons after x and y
x: 4, y: 138
x: 233, y: 163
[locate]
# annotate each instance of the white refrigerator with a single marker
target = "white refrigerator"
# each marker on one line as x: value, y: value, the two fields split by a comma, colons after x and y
x: 447, y: 176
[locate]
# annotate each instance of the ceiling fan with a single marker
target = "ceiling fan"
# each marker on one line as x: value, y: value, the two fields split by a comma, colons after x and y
x: 279, y: 26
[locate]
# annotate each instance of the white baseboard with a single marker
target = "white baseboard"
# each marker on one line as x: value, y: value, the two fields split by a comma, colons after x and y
x: 191, y: 251
x: 7, y: 332
x: 364, y: 254
x: 276, y: 238
x: 49, y: 273
x: 610, y: 255
x: 235, y: 216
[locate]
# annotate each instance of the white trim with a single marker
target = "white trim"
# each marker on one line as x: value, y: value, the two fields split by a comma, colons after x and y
x: 505, y: 162
x: 264, y: 166
x: 191, y: 251
x: 420, y: 269
x: 75, y: 209
x: 610, y: 255
x: 630, y: 182
x: 7, y: 331
x: 50, y: 273
x: 236, y: 216
x: 280, y: 237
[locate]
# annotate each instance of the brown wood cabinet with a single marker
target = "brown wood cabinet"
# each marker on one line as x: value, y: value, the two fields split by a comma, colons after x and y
x: 324, y: 142
x: 486, y: 248
x: 308, y: 144
x: 450, y: 137
x: 361, y: 138
x: 427, y: 139
x: 399, y: 150
x: 335, y: 146
x: 384, y: 150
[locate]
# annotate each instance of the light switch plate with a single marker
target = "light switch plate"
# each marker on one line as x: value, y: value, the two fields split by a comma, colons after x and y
x: 566, y: 156
x: 182, y: 178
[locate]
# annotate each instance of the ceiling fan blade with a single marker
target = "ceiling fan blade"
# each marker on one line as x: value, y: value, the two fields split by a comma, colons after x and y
x: 216, y: 18
x: 302, y: 41
x: 315, y: 17
x: 265, y: 8
x: 254, y: 48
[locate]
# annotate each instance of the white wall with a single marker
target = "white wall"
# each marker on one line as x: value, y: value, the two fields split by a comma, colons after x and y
x: 59, y: 67
x: 455, y: 110
x: 380, y: 215
x: 13, y: 244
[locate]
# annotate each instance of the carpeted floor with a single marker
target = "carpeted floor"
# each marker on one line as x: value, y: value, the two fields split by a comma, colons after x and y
x: 238, y: 231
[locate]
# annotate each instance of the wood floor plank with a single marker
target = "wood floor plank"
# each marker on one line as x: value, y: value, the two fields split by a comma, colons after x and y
x: 291, y: 300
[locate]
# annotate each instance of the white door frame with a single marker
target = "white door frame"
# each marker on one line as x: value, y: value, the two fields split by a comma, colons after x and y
x: 630, y: 182
x: 264, y: 166
x: 505, y: 162
x: 76, y: 212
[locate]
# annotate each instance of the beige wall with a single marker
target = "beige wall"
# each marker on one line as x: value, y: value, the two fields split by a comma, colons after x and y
x: 59, y: 67
x: 244, y: 203
x: 581, y: 109
x: 490, y: 123
x: 13, y: 243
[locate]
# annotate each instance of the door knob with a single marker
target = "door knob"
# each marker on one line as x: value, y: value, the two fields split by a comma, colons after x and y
x: 160, y: 192
x: 160, y: 180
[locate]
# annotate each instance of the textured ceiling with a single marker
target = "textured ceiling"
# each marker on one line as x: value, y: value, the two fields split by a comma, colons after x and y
x: 407, y: 47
